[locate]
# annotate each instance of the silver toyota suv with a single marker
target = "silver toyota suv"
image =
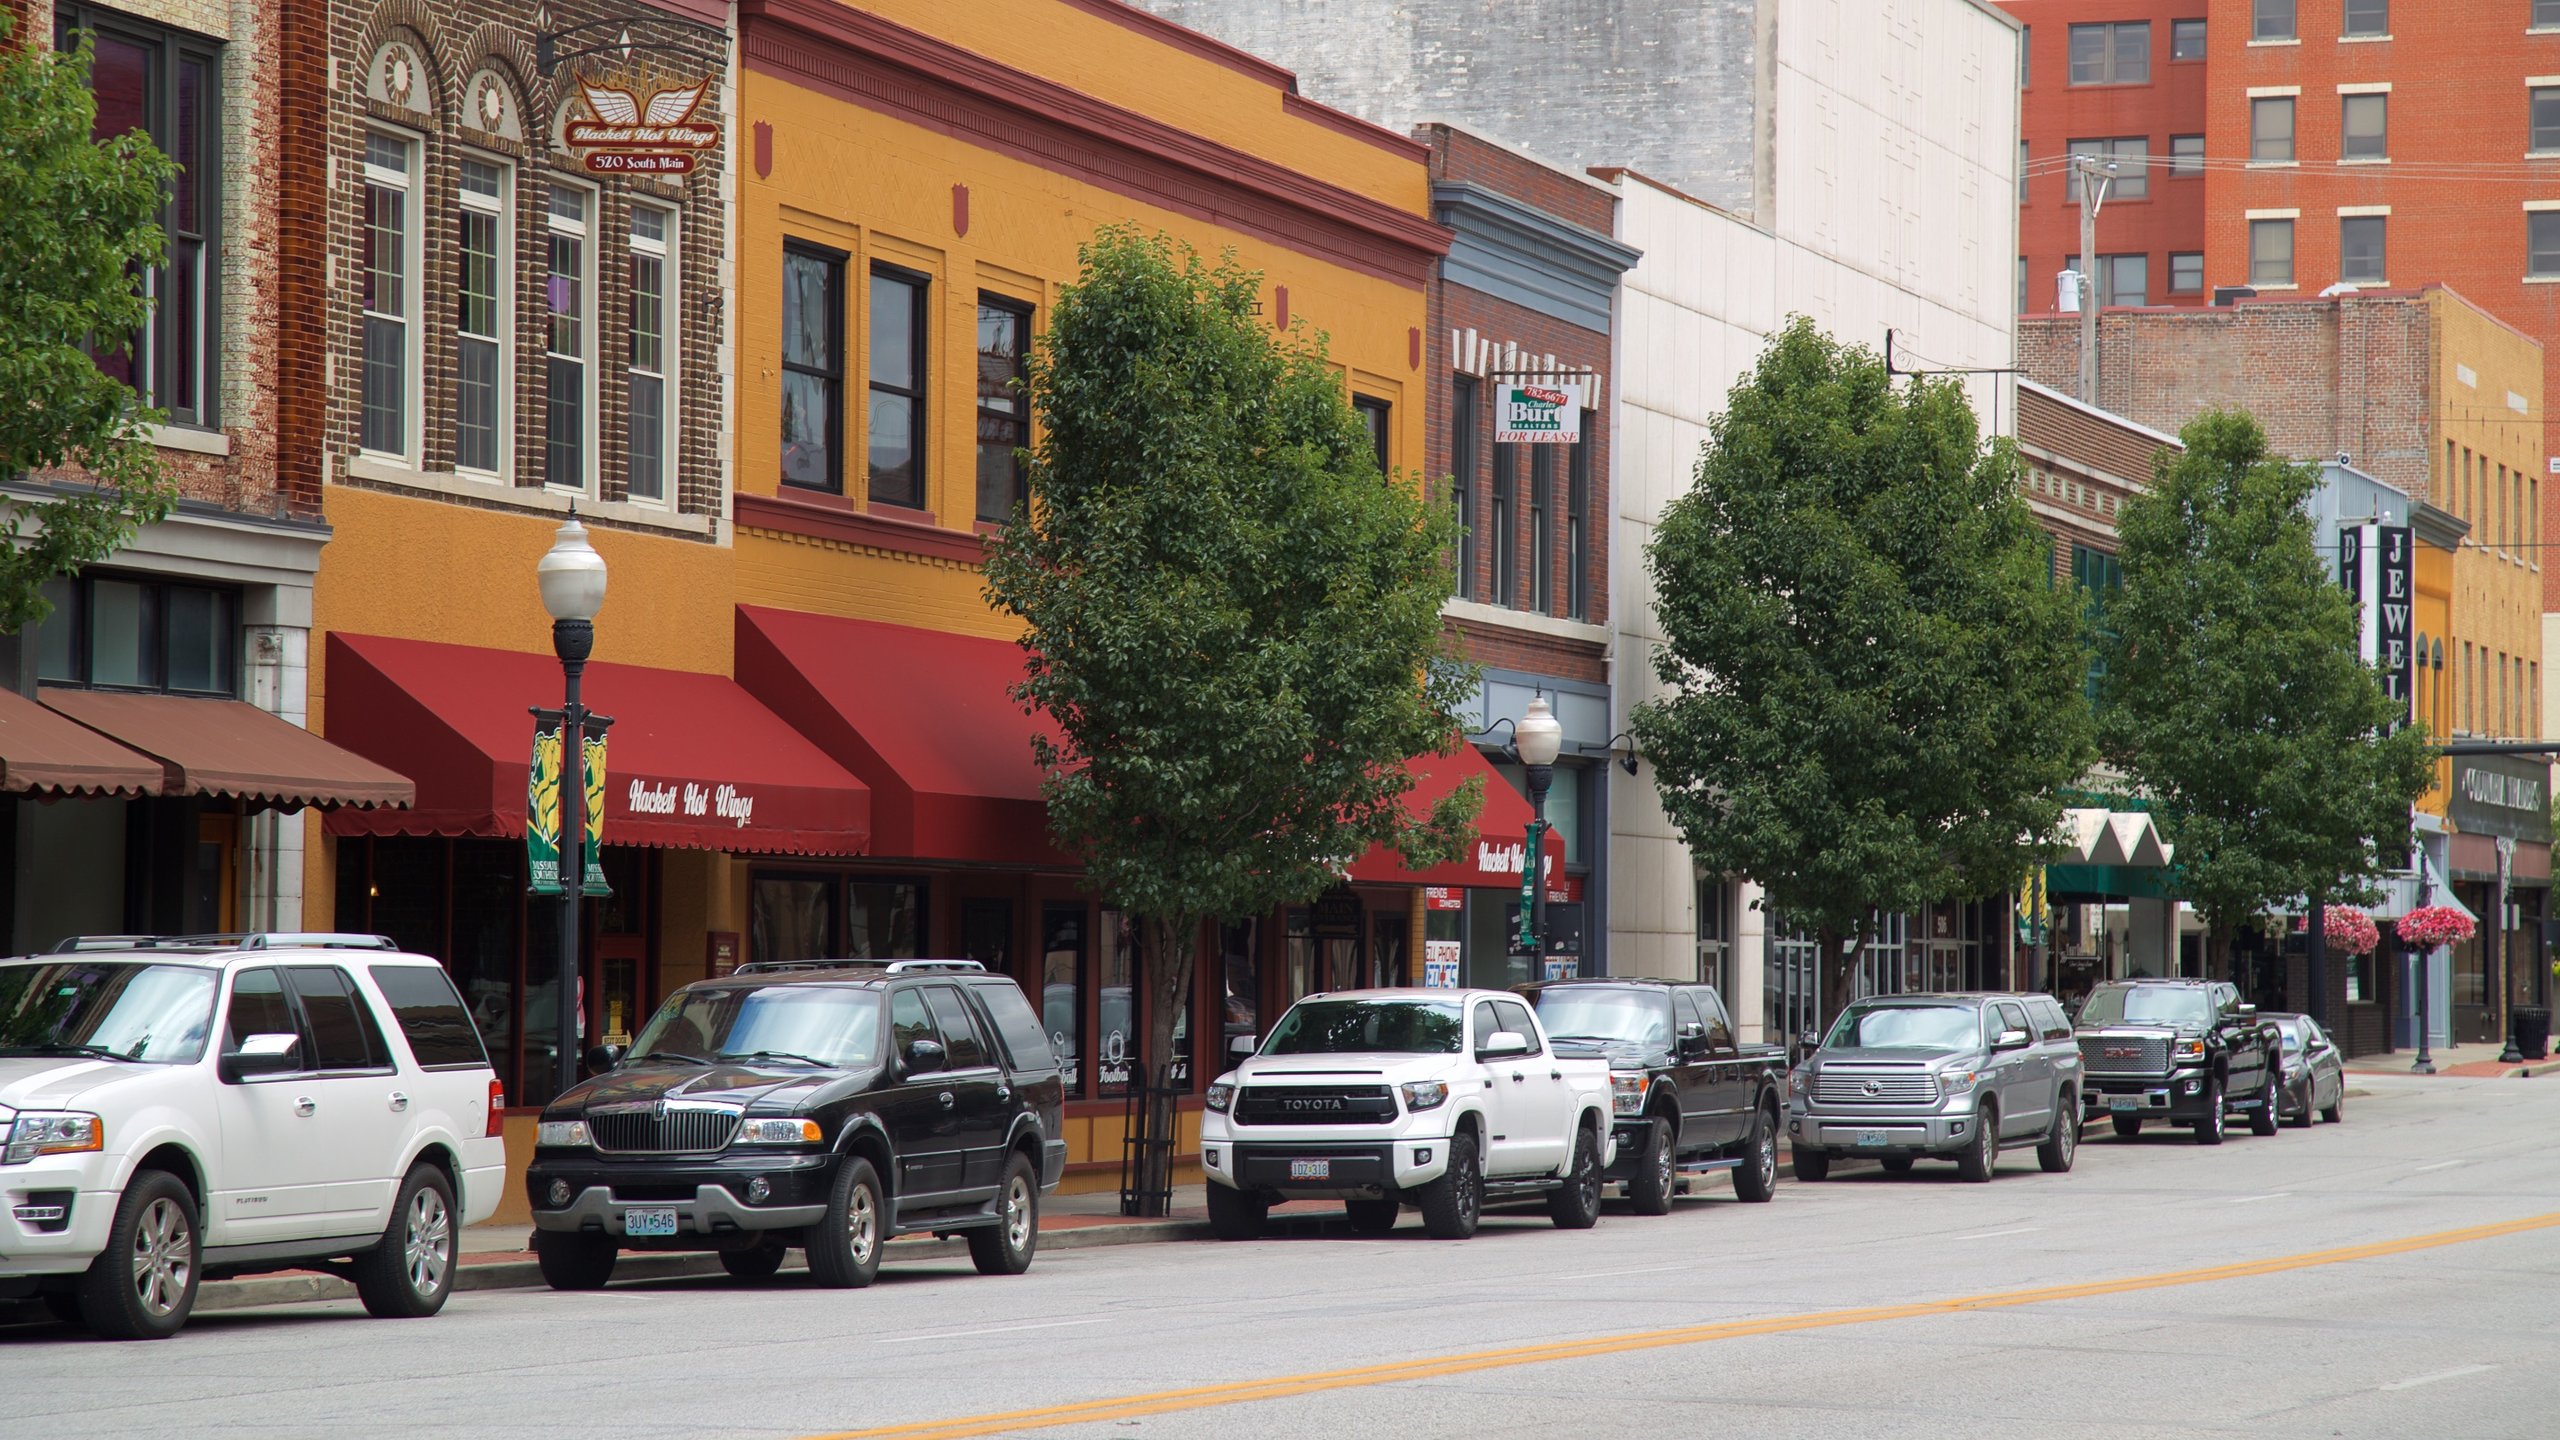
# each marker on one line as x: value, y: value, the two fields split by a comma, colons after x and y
x: 1953, y: 1077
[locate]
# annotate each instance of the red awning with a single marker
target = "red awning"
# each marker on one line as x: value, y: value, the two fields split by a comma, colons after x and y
x: 923, y: 717
x: 1502, y: 828
x: 694, y: 762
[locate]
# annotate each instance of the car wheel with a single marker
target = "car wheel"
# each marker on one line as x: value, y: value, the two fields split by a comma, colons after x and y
x: 1006, y: 1247
x: 756, y: 1262
x: 2335, y: 1112
x: 143, y: 1285
x: 2062, y: 1145
x: 1975, y: 1162
x: 1372, y: 1217
x: 1811, y: 1166
x: 1452, y: 1204
x: 844, y: 1247
x: 574, y: 1259
x: 2307, y: 1115
x: 1756, y: 1179
x: 409, y: 1274
x: 1650, y: 1189
x: 2262, y: 1121
x: 1575, y: 1205
x: 2126, y: 1126
x: 2209, y: 1129
x: 1896, y: 1164
x: 1234, y: 1214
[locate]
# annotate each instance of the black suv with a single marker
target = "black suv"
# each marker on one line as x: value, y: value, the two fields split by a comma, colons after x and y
x: 1689, y: 1100
x: 831, y: 1105
x: 2184, y: 1051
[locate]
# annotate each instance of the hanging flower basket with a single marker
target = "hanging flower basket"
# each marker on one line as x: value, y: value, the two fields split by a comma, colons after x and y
x: 2351, y: 931
x: 2432, y: 925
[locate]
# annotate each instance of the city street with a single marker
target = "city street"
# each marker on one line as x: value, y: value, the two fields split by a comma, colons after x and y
x: 2338, y: 1297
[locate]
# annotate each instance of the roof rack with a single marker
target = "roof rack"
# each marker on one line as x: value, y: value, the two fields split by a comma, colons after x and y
x: 908, y: 967
x: 270, y: 940
x: 894, y: 967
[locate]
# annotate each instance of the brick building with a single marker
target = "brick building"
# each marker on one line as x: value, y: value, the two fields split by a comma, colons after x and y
x: 1526, y: 295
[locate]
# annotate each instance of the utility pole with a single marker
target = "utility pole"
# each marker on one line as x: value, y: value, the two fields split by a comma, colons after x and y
x: 2095, y: 176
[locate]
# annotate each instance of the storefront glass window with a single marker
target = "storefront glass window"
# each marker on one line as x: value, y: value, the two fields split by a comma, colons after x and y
x: 1062, y: 987
x: 1492, y: 917
x: 793, y: 918
x: 1240, y: 961
x: 139, y: 635
x: 487, y: 918
x: 1116, y: 1008
x: 986, y: 934
x: 883, y: 919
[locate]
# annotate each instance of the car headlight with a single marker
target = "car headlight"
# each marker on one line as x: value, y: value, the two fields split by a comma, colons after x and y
x: 570, y: 1134
x: 1424, y: 1094
x: 1627, y: 1091
x: 761, y: 1131
x: 2187, y: 1050
x: 1220, y: 1096
x: 1952, y: 1083
x: 1799, y: 1080
x: 60, y: 1132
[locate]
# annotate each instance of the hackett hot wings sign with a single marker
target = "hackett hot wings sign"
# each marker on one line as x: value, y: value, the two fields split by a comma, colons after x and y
x: 625, y: 134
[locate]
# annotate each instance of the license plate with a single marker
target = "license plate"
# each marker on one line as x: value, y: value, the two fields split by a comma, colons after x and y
x: 648, y: 1222
x: 1310, y: 1169
x: 1871, y: 1137
x: 2124, y: 1102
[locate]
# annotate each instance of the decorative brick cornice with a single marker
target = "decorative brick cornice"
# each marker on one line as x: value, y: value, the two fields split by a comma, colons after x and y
x: 818, y: 519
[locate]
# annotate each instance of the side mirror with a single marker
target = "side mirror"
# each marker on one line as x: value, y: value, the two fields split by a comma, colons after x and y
x: 2248, y: 1009
x: 270, y: 1054
x: 1241, y: 1044
x: 604, y: 1057
x: 1502, y: 1044
x: 925, y: 1056
x: 2010, y: 1040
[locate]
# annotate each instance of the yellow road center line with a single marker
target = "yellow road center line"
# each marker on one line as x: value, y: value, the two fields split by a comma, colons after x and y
x: 1127, y: 1407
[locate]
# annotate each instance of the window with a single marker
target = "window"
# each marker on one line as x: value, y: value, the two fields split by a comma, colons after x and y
x: 653, y: 305
x: 2117, y: 54
x: 2271, y: 129
x: 165, y: 86
x: 2186, y: 272
x: 2022, y: 285
x: 812, y: 368
x: 2026, y: 33
x: 1373, y: 414
x: 2363, y: 127
x: 117, y: 633
x: 1004, y: 406
x: 883, y: 920
x: 967, y: 1049
x: 2271, y: 20
x: 389, y: 258
x: 2186, y: 39
x: 1577, y: 521
x: 2542, y: 242
x: 341, y: 1025
x: 2360, y: 249
x: 910, y: 1025
x: 2546, y: 12
x: 1505, y: 462
x: 480, y: 330
x: 1463, y: 434
x: 2124, y: 279
x: 430, y: 1013
x: 258, y: 1007
x: 2022, y: 172
x: 2186, y: 156
x: 1062, y: 951
x: 2270, y: 252
x: 565, y: 445
x: 2132, y: 179
x: 897, y: 387
x: 1542, y: 477
x: 2366, y: 17
x: 2544, y: 101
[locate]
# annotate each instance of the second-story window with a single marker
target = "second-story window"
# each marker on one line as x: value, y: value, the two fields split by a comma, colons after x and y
x: 1577, y: 521
x: 2543, y: 106
x: 1004, y: 406
x: 897, y: 431
x: 2186, y: 156
x: 2542, y: 243
x: 2271, y: 129
x: 129, y: 633
x: 1463, y: 440
x: 2361, y: 256
x: 2271, y: 20
x: 568, y: 302
x: 390, y: 297
x: 2111, y: 54
x: 2271, y: 252
x: 2546, y: 13
x: 2186, y: 39
x: 653, y: 281
x: 1373, y: 414
x: 481, y: 327
x: 1504, y: 549
x: 2366, y: 17
x: 812, y: 368
x: 2364, y: 127
x: 1542, y: 479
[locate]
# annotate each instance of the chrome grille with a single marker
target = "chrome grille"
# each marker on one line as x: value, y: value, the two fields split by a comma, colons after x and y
x: 1835, y: 1086
x: 2124, y: 1054
x: 668, y: 1131
x: 1313, y: 1105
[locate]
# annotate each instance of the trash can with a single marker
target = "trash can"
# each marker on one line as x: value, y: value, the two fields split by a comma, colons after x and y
x: 2533, y: 1031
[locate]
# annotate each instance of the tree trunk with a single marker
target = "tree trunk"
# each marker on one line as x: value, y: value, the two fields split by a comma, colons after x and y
x: 1838, y: 970
x: 1170, y: 948
x: 2217, y: 953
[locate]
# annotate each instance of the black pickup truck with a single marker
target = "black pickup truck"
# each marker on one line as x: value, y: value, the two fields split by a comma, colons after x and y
x: 2184, y: 1051
x: 1689, y: 1100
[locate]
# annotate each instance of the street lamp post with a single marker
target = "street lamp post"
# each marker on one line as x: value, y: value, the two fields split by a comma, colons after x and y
x: 1537, y: 738
x: 2426, y: 1064
x: 2506, y: 957
x: 572, y: 578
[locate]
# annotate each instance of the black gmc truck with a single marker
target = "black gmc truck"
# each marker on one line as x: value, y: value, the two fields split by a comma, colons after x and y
x: 1689, y: 1099
x: 2183, y: 1051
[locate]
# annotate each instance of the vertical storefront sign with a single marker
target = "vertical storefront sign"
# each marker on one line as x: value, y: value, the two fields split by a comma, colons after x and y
x: 2376, y: 565
x: 542, y: 808
x: 594, y: 817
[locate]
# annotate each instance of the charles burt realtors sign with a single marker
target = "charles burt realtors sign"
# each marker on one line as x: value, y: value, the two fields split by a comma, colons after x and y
x: 1537, y: 413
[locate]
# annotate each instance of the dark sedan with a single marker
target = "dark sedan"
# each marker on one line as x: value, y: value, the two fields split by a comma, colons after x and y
x: 2315, y: 1074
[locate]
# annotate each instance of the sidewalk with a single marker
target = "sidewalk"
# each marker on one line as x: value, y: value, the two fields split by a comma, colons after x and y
x: 2478, y: 1062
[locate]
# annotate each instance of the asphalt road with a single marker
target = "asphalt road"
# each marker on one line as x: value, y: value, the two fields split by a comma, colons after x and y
x: 2396, y: 1275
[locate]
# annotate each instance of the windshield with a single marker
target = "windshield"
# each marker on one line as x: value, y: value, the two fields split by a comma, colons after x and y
x: 1906, y: 1027
x: 2148, y: 1005
x: 1591, y: 1013
x: 1337, y: 1027
x: 833, y: 1027
x: 155, y: 1013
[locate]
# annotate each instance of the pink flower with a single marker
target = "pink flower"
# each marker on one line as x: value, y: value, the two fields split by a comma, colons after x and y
x: 2432, y: 925
x: 2351, y: 931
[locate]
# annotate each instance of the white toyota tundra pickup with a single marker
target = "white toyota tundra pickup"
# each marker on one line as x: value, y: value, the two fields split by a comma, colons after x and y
x: 1442, y: 1099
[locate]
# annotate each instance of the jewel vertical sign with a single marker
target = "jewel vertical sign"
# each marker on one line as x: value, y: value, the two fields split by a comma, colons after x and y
x: 544, y: 814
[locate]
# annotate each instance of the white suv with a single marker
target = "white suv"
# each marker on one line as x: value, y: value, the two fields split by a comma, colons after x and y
x: 172, y: 1109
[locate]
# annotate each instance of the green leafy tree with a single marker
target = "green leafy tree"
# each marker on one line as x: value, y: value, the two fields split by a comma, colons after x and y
x: 1874, y: 692
x: 82, y: 220
x: 2234, y: 692
x: 1233, y: 618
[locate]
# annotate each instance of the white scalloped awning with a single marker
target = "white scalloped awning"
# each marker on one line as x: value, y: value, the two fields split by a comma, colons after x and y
x: 2115, y: 837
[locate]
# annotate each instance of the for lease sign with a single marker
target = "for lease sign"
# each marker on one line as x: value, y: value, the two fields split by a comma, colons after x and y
x: 1536, y: 415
